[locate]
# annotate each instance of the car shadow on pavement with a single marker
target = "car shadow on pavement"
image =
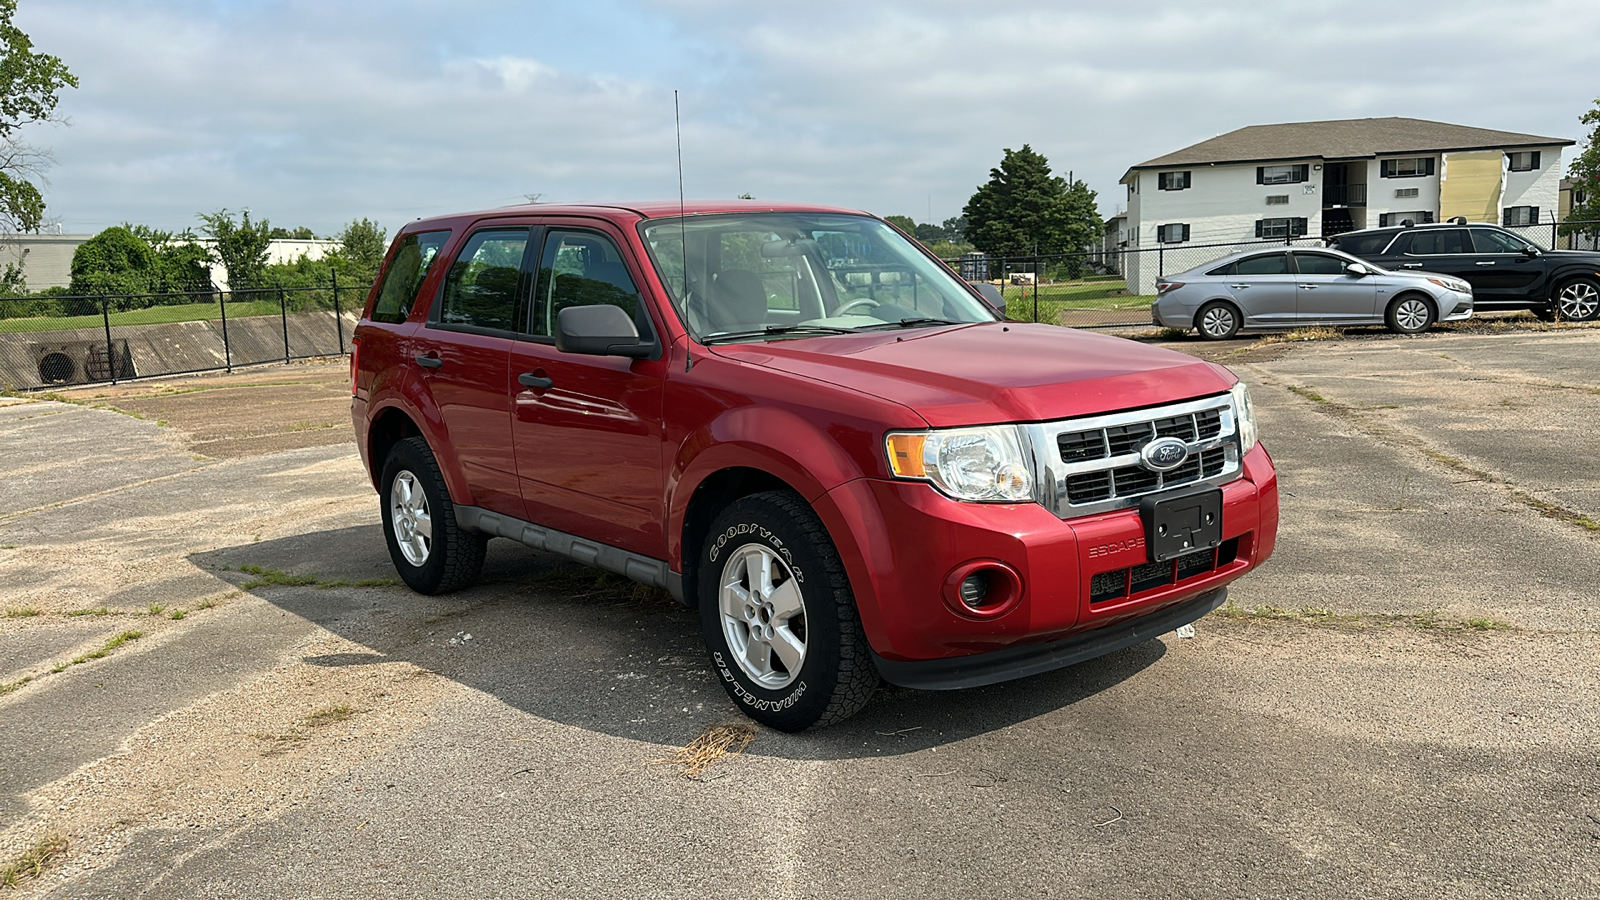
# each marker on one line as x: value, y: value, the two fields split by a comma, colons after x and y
x: 573, y: 645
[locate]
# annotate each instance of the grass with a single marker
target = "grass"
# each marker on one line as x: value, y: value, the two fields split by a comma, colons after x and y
x: 1426, y: 620
x: 102, y: 653
x: 32, y: 863
x: 155, y: 315
x: 1055, y: 299
x: 266, y: 577
x: 96, y: 611
x: 1298, y: 335
x: 285, y: 741
x: 23, y: 612
x: 1307, y: 393
x: 328, y: 716
x: 714, y: 744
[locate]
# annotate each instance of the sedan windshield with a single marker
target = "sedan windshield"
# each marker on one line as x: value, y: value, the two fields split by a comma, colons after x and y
x: 761, y: 276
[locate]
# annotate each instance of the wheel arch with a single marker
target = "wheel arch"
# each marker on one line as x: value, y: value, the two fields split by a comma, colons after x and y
x: 714, y: 493
x: 389, y: 427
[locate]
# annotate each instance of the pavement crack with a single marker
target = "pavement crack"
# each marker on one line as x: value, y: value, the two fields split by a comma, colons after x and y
x: 1386, y: 434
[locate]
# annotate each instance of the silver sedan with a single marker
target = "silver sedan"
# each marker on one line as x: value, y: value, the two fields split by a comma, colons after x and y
x: 1291, y: 287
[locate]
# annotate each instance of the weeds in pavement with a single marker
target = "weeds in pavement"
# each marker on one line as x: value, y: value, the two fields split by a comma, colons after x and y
x: 32, y: 863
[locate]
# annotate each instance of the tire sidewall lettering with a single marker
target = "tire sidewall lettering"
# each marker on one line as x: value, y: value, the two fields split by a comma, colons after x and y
x: 765, y: 535
x: 751, y: 700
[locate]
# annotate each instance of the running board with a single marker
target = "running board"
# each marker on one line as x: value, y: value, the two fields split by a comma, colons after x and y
x: 643, y: 569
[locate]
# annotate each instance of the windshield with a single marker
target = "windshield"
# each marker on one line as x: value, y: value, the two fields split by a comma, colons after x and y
x: 760, y: 275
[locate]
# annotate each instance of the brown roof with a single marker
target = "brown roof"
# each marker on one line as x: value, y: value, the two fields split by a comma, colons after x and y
x: 1344, y: 139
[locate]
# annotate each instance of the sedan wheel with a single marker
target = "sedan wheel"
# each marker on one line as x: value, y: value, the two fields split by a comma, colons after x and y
x: 1217, y: 321
x: 1410, y: 315
x: 1579, y: 301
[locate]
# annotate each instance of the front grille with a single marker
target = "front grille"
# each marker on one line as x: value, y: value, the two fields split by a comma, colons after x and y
x: 1099, y: 464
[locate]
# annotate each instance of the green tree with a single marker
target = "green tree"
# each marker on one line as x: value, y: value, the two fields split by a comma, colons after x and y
x: 1584, y: 172
x: 115, y: 261
x: 1024, y: 210
x: 362, y: 245
x: 296, y: 234
x: 903, y: 223
x: 30, y: 83
x: 240, y: 246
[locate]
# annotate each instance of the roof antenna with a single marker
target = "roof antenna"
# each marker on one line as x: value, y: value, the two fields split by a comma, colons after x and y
x: 683, y: 231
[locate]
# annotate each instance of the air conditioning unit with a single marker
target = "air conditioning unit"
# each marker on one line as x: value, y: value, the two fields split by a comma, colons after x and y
x: 81, y: 362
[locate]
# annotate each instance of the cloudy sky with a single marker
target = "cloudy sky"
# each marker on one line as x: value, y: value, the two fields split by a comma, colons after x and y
x: 317, y: 112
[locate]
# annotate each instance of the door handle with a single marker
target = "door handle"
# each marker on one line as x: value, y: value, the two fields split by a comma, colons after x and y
x: 1485, y: 262
x: 1308, y: 287
x: 1238, y: 286
x: 540, y: 382
x: 1411, y: 265
x: 429, y: 362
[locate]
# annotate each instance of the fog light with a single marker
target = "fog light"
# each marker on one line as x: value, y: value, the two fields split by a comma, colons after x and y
x: 982, y: 589
x: 975, y: 589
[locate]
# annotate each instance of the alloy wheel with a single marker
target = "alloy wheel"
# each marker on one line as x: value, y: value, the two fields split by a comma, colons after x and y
x: 413, y: 524
x: 1579, y: 301
x: 763, y: 615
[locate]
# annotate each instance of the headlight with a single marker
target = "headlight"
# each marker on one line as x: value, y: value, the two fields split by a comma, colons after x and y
x: 1451, y: 284
x: 1246, y: 413
x: 983, y: 464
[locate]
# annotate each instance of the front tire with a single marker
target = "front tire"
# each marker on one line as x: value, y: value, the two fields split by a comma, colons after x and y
x: 778, y: 616
x: 1409, y: 315
x: 1217, y: 321
x: 1579, y: 300
x: 432, y: 553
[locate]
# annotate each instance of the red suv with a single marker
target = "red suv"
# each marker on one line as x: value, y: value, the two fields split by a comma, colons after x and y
x: 796, y: 420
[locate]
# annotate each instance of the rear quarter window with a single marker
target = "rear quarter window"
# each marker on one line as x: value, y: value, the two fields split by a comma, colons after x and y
x: 1363, y: 244
x: 397, y: 291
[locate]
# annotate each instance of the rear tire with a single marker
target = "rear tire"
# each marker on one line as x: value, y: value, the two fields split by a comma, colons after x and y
x: 432, y: 553
x: 1217, y: 320
x: 1410, y: 314
x: 1578, y: 300
x: 778, y: 616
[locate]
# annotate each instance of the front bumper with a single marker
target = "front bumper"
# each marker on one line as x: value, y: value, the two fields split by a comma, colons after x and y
x: 1460, y: 309
x: 1075, y: 576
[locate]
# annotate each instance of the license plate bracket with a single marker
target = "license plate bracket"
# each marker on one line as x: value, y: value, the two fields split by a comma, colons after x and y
x: 1180, y: 522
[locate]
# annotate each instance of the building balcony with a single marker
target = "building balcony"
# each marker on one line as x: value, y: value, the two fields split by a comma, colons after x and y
x: 1344, y: 195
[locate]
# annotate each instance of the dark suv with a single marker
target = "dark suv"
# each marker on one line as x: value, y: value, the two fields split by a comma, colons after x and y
x: 1504, y: 269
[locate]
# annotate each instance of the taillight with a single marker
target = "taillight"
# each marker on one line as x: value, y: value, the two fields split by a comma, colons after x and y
x: 1163, y: 286
x: 355, y: 352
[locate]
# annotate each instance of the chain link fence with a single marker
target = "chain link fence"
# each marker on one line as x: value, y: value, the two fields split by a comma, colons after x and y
x: 51, y: 341
x: 1113, y: 284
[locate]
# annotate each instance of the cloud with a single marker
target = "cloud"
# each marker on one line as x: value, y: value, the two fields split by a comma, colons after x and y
x: 317, y: 113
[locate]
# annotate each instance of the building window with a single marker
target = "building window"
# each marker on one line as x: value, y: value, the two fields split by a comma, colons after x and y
x: 1521, y: 215
x: 1172, y: 181
x: 1281, y: 228
x: 1277, y: 199
x: 1415, y: 217
x: 1172, y: 234
x: 1405, y: 193
x: 1282, y: 174
x: 1410, y: 167
x: 1523, y: 160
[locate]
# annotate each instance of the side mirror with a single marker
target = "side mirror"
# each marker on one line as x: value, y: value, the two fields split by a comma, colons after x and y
x: 599, y: 330
x: 1357, y: 269
x: 991, y: 295
x: 1531, y: 251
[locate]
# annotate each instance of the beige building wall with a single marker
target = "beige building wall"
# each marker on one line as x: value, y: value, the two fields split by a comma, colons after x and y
x: 1470, y: 186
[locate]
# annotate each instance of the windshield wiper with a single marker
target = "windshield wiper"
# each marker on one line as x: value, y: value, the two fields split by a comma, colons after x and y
x: 775, y: 329
x: 915, y: 321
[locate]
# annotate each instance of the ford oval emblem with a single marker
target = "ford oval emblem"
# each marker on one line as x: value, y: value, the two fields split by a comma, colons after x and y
x: 1164, y: 454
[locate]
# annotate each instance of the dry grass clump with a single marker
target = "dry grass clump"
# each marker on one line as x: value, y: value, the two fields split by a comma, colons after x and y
x: 717, y: 742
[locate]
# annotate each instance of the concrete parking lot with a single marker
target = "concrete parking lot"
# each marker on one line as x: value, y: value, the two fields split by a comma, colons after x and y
x: 211, y: 685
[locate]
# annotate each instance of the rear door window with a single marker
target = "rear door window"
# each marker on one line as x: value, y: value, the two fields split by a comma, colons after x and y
x: 1490, y: 241
x: 1364, y: 244
x: 483, y: 288
x: 1439, y: 242
x: 407, y: 270
x: 1266, y: 264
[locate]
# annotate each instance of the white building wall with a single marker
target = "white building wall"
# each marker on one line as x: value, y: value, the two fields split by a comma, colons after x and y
x: 1221, y: 207
x: 1540, y: 187
x: 1381, y: 191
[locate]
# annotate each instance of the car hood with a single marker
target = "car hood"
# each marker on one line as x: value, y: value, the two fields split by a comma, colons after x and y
x: 993, y: 372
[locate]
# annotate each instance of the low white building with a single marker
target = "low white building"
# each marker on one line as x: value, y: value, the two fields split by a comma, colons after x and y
x: 46, y: 259
x: 1323, y: 178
